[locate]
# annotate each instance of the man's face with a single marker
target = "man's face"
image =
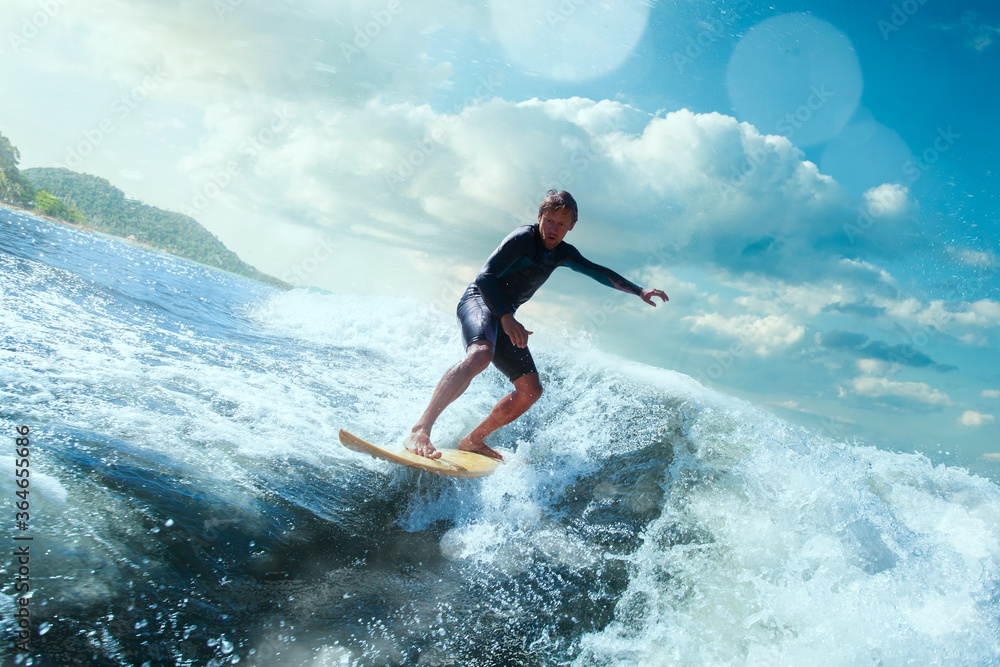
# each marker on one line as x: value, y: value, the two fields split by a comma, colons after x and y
x: 554, y: 225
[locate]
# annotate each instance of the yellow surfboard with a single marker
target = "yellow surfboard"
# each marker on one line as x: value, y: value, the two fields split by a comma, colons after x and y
x: 453, y: 463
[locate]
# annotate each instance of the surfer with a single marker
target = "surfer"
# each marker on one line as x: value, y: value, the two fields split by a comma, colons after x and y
x: 511, y: 275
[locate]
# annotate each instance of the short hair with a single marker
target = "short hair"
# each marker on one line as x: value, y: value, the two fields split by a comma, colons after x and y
x: 555, y: 200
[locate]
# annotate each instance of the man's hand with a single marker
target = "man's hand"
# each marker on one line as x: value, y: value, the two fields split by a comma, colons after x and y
x: 518, y: 334
x: 647, y: 295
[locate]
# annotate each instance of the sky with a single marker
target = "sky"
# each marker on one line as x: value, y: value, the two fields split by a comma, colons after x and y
x: 813, y: 184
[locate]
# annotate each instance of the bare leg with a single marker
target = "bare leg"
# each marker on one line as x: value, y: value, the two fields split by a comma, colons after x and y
x: 452, y: 385
x: 527, y: 390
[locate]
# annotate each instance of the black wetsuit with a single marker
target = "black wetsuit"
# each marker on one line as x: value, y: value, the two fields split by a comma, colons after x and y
x: 511, y: 275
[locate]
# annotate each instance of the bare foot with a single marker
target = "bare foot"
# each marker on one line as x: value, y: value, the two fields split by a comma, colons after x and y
x: 466, y: 444
x: 419, y: 443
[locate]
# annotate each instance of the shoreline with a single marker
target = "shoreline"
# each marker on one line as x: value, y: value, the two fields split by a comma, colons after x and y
x: 127, y: 239
x: 50, y: 218
x: 138, y: 244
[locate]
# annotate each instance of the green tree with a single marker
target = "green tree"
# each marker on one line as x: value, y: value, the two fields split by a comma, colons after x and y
x: 48, y: 204
x: 14, y: 188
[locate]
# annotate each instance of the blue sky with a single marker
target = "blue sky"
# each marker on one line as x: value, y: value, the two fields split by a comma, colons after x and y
x: 814, y: 184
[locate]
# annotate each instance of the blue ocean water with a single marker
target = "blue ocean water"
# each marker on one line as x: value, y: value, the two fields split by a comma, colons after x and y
x: 190, y: 504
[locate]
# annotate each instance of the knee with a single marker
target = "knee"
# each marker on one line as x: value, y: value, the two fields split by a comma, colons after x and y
x: 479, y: 357
x: 531, y: 388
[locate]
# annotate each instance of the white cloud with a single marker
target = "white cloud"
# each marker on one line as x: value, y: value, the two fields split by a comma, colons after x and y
x: 813, y: 298
x: 860, y: 268
x: 889, y: 200
x: 972, y: 418
x: 659, y: 187
x: 762, y: 335
x: 876, y: 387
x: 213, y: 51
x: 680, y: 289
x: 991, y: 393
x: 974, y: 339
x: 943, y: 315
x: 872, y: 366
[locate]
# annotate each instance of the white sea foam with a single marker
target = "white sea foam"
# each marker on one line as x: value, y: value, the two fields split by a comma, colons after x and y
x: 778, y: 547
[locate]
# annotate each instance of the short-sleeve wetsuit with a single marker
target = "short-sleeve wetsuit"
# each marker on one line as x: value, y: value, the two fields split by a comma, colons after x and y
x: 511, y: 275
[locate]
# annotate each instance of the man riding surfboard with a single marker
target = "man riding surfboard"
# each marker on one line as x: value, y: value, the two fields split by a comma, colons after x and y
x: 516, y: 269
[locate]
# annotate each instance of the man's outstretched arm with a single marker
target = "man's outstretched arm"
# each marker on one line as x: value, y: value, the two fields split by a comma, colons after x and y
x: 606, y: 276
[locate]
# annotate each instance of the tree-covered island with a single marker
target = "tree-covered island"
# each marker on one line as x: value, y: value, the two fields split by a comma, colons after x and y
x: 94, y: 203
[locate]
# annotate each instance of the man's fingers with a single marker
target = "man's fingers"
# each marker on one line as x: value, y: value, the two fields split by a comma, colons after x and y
x: 519, y: 336
x: 648, y: 296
